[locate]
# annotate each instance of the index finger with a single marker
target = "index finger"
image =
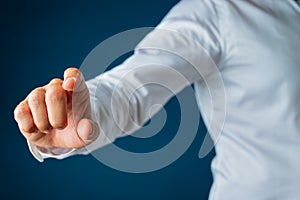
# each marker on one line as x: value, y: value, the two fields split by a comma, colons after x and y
x: 73, y: 80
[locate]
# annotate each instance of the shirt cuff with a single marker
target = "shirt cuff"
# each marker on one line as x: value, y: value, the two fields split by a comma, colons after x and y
x: 41, y: 153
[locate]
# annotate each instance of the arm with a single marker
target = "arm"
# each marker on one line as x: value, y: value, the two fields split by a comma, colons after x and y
x: 170, y: 57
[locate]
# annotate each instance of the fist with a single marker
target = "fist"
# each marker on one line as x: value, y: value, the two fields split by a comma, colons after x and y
x: 58, y: 114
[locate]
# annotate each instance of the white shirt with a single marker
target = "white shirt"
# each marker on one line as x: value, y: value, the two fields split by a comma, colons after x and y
x: 255, y: 44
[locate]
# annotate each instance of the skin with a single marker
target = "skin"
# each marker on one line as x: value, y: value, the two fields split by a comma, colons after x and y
x: 58, y: 114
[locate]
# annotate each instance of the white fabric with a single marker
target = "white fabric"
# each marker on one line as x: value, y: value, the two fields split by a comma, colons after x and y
x: 255, y: 44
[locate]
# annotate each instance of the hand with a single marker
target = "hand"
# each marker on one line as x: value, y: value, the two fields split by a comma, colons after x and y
x: 58, y: 114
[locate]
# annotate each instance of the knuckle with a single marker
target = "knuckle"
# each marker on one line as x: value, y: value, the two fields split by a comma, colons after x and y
x: 20, y: 112
x: 55, y: 93
x: 55, y: 81
x: 36, y: 97
x: 24, y: 121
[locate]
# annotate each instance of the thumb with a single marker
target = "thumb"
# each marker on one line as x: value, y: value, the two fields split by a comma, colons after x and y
x: 88, y: 131
x: 73, y: 80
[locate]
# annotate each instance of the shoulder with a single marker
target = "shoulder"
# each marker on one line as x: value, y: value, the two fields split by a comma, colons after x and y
x: 196, y: 9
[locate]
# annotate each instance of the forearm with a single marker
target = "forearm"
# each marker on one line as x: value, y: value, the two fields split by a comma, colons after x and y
x: 124, y: 98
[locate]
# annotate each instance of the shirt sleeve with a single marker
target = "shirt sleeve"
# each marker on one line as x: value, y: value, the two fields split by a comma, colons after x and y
x: 181, y: 50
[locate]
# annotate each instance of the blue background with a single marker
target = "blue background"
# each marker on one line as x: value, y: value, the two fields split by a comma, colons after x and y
x: 39, y: 39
